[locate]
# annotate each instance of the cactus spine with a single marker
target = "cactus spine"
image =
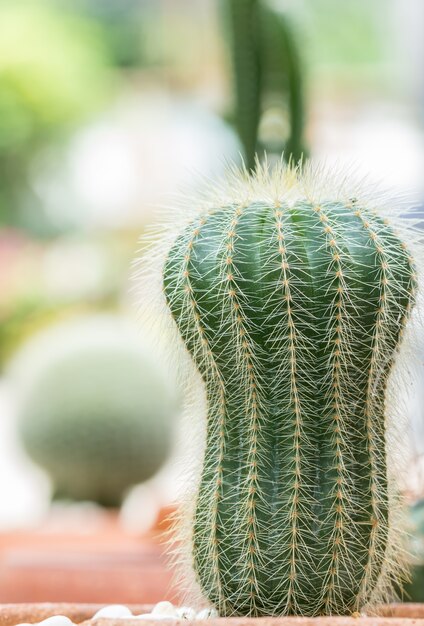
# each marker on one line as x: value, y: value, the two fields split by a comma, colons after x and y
x: 292, y: 300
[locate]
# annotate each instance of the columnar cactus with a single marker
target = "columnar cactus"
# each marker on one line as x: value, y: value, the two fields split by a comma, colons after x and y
x: 243, y: 20
x: 267, y: 73
x: 292, y: 296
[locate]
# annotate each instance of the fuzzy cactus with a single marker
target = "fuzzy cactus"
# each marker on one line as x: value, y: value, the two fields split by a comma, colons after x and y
x: 95, y: 411
x: 291, y: 292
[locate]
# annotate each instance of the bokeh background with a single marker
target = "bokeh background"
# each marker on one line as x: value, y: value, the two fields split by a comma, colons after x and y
x: 108, y: 109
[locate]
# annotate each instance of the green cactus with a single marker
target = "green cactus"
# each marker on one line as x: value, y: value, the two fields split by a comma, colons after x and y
x: 282, y: 82
x: 95, y: 411
x: 267, y: 73
x: 243, y: 18
x: 292, y: 300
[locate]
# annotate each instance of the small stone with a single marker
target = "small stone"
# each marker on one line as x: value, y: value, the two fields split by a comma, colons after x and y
x: 164, y: 608
x: 207, y: 614
x: 186, y: 612
x: 57, y: 620
x: 113, y: 611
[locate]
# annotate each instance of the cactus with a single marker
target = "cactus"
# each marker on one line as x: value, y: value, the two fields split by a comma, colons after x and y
x: 243, y: 19
x: 282, y: 81
x: 291, y: 294
x: 267, y: 72
x: 94, y: 410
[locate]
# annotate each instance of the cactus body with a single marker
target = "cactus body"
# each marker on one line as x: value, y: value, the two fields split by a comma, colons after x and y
x: 94, y: 410
x: 292, y: 310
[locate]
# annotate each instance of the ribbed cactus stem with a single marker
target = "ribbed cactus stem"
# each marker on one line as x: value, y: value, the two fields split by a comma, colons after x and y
x: 292, y: 306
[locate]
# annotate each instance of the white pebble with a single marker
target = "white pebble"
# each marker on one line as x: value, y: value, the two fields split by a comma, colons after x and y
x: 164, y: 608
x: 207, y: 614
x: 186, y: 612
x: 113, y: 611
x: 57, y: 620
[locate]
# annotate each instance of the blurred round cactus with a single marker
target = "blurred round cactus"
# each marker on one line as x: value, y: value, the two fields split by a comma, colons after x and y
x: 95, y: 410
x: 414, y: 590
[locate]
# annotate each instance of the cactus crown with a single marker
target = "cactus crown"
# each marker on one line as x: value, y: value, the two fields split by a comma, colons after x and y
x: 292, y: 295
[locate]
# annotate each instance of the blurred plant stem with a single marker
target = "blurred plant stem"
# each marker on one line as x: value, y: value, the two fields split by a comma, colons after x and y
x: 268, y: 80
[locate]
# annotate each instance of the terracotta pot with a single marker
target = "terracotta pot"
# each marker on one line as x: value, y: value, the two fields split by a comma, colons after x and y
x: 389, y: 615
x: 86, y: 561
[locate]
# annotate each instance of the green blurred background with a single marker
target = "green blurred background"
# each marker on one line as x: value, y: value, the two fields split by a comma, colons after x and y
x: 108, y: 108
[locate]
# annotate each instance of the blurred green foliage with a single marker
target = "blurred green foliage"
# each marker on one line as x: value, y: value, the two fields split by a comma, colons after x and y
x: 344, y: 33
x: 121, y: 26
x: 53, y: 74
